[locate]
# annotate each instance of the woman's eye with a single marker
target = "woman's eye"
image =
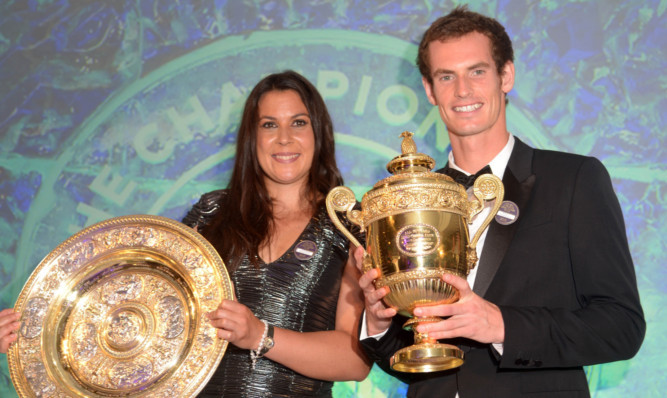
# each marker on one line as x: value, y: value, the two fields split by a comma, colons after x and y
x: 300, y: 122
x: 268, y: 125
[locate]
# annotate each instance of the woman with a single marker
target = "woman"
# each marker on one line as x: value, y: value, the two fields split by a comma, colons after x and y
x: 293, y: 275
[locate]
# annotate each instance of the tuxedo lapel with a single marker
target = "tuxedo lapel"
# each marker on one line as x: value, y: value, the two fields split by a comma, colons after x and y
x: 518, y: 181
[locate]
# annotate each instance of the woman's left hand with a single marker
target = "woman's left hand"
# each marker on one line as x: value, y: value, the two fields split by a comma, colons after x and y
x: 237, y: 324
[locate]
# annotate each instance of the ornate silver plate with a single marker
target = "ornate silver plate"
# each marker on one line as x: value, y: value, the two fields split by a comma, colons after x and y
x: 118, y: 309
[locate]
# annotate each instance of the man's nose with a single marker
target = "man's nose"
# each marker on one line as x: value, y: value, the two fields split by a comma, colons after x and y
x: 462, y: 87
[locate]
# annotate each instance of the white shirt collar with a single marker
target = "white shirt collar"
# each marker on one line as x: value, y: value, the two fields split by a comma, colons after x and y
x: 498, y: 164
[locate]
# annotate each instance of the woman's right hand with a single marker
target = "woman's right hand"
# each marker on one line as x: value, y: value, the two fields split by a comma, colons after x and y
x: 237, y: 324
x: 9, y: 324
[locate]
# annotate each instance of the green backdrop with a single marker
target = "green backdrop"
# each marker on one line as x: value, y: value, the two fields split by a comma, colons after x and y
x: 125, y: 107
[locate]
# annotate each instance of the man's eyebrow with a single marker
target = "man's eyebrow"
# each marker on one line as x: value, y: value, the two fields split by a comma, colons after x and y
x: 480, y: 65
x: 471, y: 67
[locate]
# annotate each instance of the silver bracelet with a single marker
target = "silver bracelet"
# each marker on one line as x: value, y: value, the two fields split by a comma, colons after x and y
x: 254, y: 354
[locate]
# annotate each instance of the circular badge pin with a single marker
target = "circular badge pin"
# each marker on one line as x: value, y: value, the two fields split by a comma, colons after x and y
x: 508, y: 213
x: 305, y: 250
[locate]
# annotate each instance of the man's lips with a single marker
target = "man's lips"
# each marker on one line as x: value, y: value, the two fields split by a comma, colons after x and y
x: 467, y: 108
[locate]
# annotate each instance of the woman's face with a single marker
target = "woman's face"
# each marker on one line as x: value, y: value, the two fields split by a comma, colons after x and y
x: 285, y: 139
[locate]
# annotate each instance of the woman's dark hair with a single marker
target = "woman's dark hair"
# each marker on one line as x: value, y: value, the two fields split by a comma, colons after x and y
x: 245, y: 219
x: 459, y: 23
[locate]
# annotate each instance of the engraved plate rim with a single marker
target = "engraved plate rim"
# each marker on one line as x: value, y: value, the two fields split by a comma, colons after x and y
x: 188, y: 382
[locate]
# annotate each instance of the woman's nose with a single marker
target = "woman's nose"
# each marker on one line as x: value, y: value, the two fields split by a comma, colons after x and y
x: 284, y: 135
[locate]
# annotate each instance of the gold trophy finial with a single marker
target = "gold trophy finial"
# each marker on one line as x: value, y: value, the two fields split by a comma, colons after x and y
x: 410, y: 161
x: 408, y: 145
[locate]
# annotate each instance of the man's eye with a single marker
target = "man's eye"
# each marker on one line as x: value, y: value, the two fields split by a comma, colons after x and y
x: 446, y: 77
x: 478, y: 72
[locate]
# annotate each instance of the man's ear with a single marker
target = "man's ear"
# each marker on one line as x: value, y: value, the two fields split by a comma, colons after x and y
x: 507, y: 77
x: 428, y: 88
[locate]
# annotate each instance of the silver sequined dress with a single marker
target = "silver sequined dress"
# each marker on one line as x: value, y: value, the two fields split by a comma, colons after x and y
x: 298, y: 291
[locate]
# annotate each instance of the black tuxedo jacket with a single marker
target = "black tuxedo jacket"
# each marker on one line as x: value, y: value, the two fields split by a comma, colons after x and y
x: 562, y: 277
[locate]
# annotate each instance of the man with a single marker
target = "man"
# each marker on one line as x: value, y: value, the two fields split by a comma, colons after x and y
x: 555, y: 287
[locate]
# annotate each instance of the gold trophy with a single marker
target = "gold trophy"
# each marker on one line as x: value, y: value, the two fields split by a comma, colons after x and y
x: 119, y: 310
x: 416, y: 224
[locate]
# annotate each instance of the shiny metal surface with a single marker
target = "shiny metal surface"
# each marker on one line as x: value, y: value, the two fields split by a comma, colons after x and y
x: 416, y: 224
x: 119, y: 309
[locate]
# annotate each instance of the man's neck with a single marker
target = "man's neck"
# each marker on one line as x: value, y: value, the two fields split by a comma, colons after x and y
x: 471, y: 153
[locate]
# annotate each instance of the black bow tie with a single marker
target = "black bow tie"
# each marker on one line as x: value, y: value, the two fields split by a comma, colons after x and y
x: 462, y: 178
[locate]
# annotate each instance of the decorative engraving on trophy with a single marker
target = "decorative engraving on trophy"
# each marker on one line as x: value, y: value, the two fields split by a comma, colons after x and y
x: 133, y: 236
x: 129, y: 308
x: 151, y: 237
x: 158, y: 287
x: 50, y: 284
x: 95, y: 311
x: 29, y: 348
x: 170, y: 311
x: 340, y: 199
x: 95, y: 371
x: 177, y: 247
x: 133, y: 374
x: 83, y: 343
x: 163, y: 352
x: 124, y: 328
x: 33, y: 317
x: 202, y: 278
x: 404, y: 200
x: 128, y: 320
x: 205, y: 341
x: 487, y: 187
x: 402, y: 277
x: 35, y: 374
x: 417, y: 240
x: 72, y: 260
x: 191, y: 259
x: 425, y: 196
x: 124, y: 287
x: 384, y: 204
x: 111, y: 239
x: 449, y: 200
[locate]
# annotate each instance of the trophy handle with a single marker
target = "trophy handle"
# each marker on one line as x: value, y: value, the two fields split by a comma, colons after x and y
x: 486, y: 187
x: 343, y: 199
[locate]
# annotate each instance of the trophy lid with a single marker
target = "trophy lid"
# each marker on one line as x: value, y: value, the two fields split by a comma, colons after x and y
x: 410, y: 161
x: 413, y: 186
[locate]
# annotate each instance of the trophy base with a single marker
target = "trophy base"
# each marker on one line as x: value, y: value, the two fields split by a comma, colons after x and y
x: 426, y: 358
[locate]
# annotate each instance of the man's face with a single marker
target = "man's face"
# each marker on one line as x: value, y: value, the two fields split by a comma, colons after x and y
x: 466, y: 86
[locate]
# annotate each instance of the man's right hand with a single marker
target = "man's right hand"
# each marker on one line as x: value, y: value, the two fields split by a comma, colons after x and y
x: 378, y: 315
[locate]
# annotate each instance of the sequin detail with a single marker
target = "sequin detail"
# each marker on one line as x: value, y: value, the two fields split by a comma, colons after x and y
x: 288, y: 293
